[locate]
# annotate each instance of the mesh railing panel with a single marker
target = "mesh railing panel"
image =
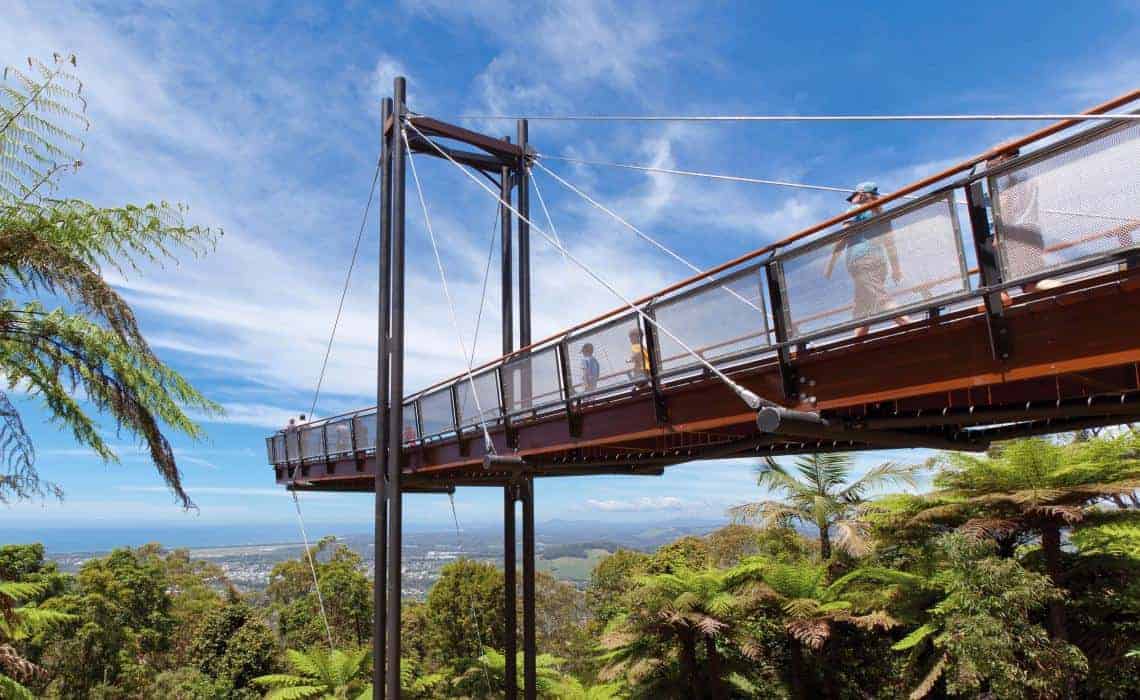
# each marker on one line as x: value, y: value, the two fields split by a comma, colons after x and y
x: 718, y: 321
x: 339, y: 436
x: 311, y: 443
x: 1069, y: 205
x: 862, y: 282
x: 365, y: 427
x: 487, y: 391
x: 540, y: 371
x: 411, y: 424
x: 279, y: 448
x: 435, y: 412
x: 618, y: 348
x: 269, y: 450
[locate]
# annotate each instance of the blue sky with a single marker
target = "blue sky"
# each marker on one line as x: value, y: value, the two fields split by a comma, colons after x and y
x: 263, y: 118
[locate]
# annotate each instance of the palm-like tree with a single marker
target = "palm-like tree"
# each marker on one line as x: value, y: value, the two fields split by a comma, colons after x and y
x: 19, y: 621
x: 675, y: 616
x: 1034, y: 487
x: 812, y: 607
x: 486, y: 678
x: 823, y: 494
x: 321, y: 674
x: 55, y: 246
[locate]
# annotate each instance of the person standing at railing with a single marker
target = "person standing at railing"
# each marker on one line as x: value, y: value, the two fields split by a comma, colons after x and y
x: 868, y: 255
x: 590, y: 368
x: 1019, y: 237
x: 638, y: 356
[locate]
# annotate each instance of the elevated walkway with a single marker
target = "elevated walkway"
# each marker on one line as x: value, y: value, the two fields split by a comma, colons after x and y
x: 998, y: 302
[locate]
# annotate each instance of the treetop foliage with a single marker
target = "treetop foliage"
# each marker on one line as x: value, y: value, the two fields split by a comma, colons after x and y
x: 88, y: 352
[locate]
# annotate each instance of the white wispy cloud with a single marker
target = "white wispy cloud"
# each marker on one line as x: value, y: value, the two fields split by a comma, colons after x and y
x: 638, y: 505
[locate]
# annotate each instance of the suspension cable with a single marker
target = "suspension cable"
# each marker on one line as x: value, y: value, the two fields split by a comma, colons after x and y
x: 474, y: 610
x: 344, y: 290
x: 312, y: 564
x: 317, y: 394
x: 542, y: 202
x: 488, y: 445
x: 645, y: 236
x: 780, y: 183
x: 802, y: 117
x: 483, y: 294
x: 694, y: 173
x: 752, y: 400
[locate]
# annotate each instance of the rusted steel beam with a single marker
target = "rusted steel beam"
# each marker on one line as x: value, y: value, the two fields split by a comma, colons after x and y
x: 497, y: 147
x: 479, y: 161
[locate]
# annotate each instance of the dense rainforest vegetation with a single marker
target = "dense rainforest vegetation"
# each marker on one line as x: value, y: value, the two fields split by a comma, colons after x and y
x: 1016, y: 575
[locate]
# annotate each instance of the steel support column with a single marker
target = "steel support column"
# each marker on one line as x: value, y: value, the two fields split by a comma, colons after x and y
x: 524, y: 246
x: 527, y: 485
x: 510, y: 653
x: 505, y: 217
x: 396, y: 393
x: 530, y: 649
x: 510, y: 567
x: 380, y: 531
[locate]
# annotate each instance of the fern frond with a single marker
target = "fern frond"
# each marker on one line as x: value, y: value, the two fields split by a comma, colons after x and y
x: 914, y: 638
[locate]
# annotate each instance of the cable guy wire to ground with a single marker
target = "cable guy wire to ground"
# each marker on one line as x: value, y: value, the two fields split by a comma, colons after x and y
x: 488, y: 445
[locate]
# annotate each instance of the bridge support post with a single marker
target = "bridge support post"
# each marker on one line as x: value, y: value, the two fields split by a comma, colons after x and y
x: 774, y: 273
x: 510, y: 652
x: 395, y: 394
x: 989, y: 272
x: 526, y: 488
x: 380, y: 524
x: 510, y: 491
x: 530, y: 646
x: 524, y: 250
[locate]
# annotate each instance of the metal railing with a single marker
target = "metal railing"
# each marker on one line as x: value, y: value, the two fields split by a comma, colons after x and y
x: 1068, y: 208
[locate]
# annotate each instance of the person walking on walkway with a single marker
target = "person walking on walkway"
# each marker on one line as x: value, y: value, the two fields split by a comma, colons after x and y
x: 869, y: 255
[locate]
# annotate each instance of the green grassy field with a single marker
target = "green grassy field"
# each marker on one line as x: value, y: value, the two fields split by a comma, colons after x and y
x: 576, y: 569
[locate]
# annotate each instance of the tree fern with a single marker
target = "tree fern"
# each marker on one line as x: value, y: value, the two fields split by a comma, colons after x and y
x: 318, y: 673
x: 57, y: 247
x: 18, y: 622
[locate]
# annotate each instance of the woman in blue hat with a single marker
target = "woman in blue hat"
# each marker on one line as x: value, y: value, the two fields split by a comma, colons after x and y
x: 869, y: 254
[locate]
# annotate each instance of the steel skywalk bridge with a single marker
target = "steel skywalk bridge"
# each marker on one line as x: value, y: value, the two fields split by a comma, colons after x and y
x: 983, y: 337
x: 962, y: 369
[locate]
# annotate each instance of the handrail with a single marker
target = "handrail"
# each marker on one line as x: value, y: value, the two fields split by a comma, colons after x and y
x: 901, y: 193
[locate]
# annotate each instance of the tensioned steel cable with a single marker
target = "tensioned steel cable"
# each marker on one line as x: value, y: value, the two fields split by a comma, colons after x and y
x: 344, y: 290
x: 542, y: 202
x: 486, y: 276
x: 474, y: 611
x: 488, y: 445
x: 645, y: 236
x: 782, y: 183
x: 802, y: 117
x: 752, y: 400
x: 317, y: 393
x: 695, y: 173
x: 313, y: 569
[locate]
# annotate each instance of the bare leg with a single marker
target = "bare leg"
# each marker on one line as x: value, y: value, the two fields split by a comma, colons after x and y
x: 861, y: 331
